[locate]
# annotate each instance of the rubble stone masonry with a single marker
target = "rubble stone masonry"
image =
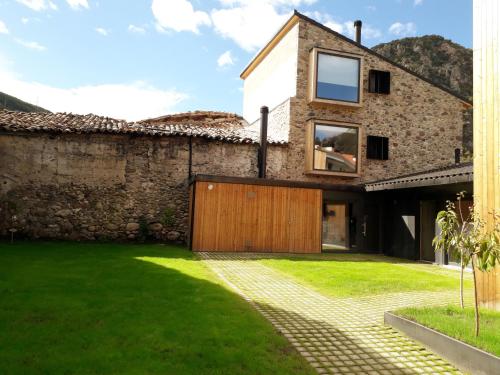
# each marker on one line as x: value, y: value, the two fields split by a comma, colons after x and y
x: 424, y: 123
x: 86, y: 187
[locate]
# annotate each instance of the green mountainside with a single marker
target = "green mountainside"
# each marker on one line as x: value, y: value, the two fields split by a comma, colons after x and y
x: 434, y: 57
x: 14, y: 104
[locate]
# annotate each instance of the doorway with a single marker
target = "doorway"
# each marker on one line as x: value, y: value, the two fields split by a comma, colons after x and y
x: 335, y: 226
x: 428, y: 210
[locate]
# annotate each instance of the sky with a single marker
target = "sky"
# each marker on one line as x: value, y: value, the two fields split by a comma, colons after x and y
x: 138, y: 59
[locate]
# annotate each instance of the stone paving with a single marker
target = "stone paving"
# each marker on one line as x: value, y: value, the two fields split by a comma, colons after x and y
x: 336, y: 335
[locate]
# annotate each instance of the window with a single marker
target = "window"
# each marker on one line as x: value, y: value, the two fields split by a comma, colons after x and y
x: 379, y: 82
x: 335, y: 148
x: 377, y: 148
x: 335, y: 78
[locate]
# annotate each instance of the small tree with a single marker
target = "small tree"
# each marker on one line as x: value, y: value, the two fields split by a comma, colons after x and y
x: 472, y: 240
x: 453, y: 229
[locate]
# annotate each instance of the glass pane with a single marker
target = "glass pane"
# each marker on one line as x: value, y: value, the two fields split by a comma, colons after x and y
x: 334, y: 226
x: 335, y: 148
x: 338, y: 78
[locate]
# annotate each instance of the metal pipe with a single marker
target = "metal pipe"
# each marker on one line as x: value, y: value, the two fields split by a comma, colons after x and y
x: 262, y: 154
x: 357, y: 28
x: 190, y: 160
x: 457, y: 155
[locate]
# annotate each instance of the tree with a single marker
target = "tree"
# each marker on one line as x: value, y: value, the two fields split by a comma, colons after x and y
x: 472, y: 240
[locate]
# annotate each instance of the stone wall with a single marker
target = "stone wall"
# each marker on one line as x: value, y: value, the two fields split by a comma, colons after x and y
x: 106, y: 186
x: 424, y: 123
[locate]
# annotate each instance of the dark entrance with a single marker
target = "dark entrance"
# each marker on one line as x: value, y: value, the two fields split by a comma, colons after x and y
x: 428, y: 211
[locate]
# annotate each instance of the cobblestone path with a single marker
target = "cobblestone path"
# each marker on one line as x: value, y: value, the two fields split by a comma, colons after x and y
x: 336, y: 335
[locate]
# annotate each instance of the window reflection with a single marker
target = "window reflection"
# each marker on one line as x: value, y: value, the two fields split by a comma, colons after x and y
x: 338, y: 78
x: 336, y: 148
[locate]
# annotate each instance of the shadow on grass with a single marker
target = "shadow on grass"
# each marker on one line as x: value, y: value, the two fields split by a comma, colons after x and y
x: 350, y: 348
x: 115, y: 308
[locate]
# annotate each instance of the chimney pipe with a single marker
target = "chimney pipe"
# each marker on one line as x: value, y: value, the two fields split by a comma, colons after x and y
x: 262, y: 155
x: 357, y: 29
x: 457, y: 155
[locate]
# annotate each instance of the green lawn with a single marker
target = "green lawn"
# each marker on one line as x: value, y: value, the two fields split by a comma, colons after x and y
x: 458, y: 323
x: 352, y: 275
x: 71, y: 308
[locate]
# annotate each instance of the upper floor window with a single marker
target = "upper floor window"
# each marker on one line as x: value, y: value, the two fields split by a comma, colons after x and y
x: 379, y: 82
x: 335, y: 77
x: 334, y: 148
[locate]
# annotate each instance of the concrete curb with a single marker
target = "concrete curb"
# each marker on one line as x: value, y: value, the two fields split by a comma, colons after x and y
x: 464, y: 356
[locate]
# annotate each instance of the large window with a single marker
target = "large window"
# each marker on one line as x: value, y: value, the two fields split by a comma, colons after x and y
x: 336, y: 78
x: 335, y: 148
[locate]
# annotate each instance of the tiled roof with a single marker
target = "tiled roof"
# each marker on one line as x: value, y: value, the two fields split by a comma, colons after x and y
x: 456, y: 173
x: 226, y: 127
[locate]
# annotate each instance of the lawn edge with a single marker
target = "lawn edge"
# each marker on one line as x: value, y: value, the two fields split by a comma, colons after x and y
x: 462, y: 355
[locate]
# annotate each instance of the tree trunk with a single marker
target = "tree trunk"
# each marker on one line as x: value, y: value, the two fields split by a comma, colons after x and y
x: 476, y: 307
x: 461, y: 281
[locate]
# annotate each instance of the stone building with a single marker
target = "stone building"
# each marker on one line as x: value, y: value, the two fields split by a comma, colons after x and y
x: 341, y: 116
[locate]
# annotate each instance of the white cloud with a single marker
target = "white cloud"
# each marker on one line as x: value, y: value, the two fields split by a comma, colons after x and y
x: 136, y: 29
x: 403, y: 29
x: 327, y: 20
x: 225, y: 59
x: 78, y: 4
x: 130, y: 101
x: 346, y: 28
x: 371, y: 8
x: 418, y: 2
x: 52, y: 5
x: 102, y: 31
x: 36, y: 5
x: 31, y: 45
x: 367, y: 31
x: 3, y: 28
x: 178, y: 15
x: 25, y: 20
x: 250, y: 24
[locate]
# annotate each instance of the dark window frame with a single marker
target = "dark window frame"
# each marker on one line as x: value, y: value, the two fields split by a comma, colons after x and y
x: 379, y: 82
x: 377, y: 147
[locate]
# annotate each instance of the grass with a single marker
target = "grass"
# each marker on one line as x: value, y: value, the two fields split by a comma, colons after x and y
x: 458, y: 323
x: 354, y: 275
x: 72, y: 308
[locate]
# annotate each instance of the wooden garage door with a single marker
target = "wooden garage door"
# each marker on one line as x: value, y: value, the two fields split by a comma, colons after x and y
x: 239, y: 217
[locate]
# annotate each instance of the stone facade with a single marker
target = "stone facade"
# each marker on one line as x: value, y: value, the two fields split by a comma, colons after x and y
x: 88, y: 187
x: 424, y: 123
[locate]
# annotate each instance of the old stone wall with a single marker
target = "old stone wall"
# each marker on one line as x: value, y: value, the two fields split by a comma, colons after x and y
x: 102, y: 187
x: 424, y: 123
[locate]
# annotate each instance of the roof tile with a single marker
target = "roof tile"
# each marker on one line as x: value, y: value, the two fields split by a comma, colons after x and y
x: 221, y: 126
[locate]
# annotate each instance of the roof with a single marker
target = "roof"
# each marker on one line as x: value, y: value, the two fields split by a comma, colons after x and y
x: 275, y: 182
x: 221, y: 126
x: 452, y: 174
x: 295, y: 18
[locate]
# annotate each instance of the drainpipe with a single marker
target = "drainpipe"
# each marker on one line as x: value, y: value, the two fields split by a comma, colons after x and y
x: 457, y: 155
x: 190, y: 160
x: 262, y: 153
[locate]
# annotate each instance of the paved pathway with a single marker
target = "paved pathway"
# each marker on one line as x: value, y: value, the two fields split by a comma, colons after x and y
x: 336, y: 335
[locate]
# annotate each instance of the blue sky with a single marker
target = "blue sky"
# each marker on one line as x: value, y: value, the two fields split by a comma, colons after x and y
x: 138, y: 59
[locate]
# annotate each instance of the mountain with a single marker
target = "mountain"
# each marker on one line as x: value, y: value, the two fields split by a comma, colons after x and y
x: 14, y: 104
x: 434, y: 57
